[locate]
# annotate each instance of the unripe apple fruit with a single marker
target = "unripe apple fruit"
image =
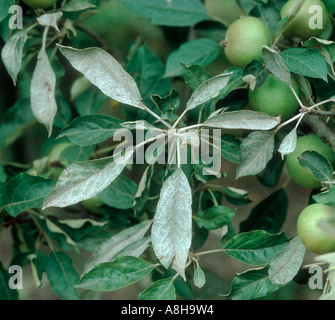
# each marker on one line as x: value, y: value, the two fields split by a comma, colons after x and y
x: 301, y: 175
x: 244, y: 40
x: 310, y: 21
x: 39, y: 3
x: 275, y: 98
x: 311, y: 233
x: 226, y: 10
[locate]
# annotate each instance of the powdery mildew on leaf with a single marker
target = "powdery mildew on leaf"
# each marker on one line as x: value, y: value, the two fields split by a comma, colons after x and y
x: 172, y: 228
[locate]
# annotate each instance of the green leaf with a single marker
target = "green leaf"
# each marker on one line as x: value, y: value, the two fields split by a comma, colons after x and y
x: 230, y: 148
x: 269, y: 215
x: 109, y: 276
x: 327, y: 48
x: 200, y: 51
x: 286, y: 264
x: 257, y: 71
x: 236, y: 196
x: 11, y: 53
x: 25, y: 192
x: 6, y: 293
x: 91, y: 129
x: 62, y: 276
x: 270, y: 176
x: 252, y: 284
x: 90, y: 100
x: 308, y: 63
x: 256, y: 151
x: 255, y: 247
x: 330, y: 5
x: 318, y: 164
x: 112, y: 247
x: 195, y: 75
x: 169, y: 13
x: 162, y: 289
x: 102, y: 70
x: 148, y: 71
x: 83, y: 180
x: 5, y: 5
x: 15, y: 122
x: 173, y: 223
x: 120, y: 193
x: 214, y: 217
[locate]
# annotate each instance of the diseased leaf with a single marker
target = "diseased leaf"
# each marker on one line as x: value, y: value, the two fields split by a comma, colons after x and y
x: 91, y: 129
x: 289, y: 143
x: 286, y: 264
x: 172, y: 227
x: 243, y: 119
x: 112, y: 247
x: 42, y: 92
x: 109, y: 276
x: 102, y: 70
x: 208, y: 90
x: 75, y: 5
x: 255, y: 247
x: 84, y: 180
x: 11, y: 54
x: 275, y: 63
x: 199, y: 277
x: 50, y: 19
x: 162, y: 289
x: 256, y: 151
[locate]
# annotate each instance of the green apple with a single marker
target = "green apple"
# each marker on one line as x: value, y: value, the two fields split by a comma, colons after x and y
x: 311, y: 233
x: 244, y: 40
x: 226, y: 10
x: 120, y: 29
x: 39, y: 3
x: 301, y: 175
x: 302, y: 25
x: 275, y: 98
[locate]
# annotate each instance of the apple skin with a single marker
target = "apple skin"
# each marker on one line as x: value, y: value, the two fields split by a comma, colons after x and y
x: 39, y: 3
x: 226, y: 10
x: 301, y: 175
x: 311, y: 233
x: 275, y: 98
x: 244, y: 40
x: 299, y: 26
